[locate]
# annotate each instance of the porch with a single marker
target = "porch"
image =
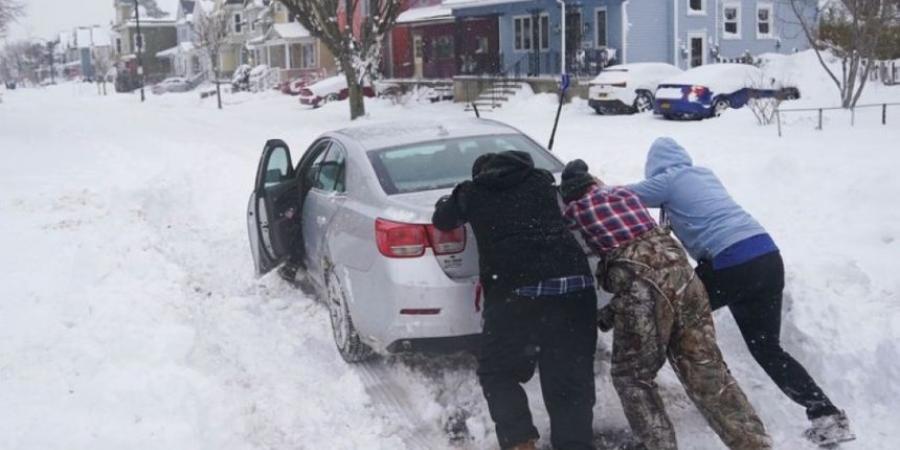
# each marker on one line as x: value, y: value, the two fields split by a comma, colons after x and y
x: 291, y: 51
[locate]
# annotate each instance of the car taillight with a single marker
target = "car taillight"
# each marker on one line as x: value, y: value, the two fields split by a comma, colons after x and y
x: 447, y: 242
x: 400, y: 240
x: 407, y: 240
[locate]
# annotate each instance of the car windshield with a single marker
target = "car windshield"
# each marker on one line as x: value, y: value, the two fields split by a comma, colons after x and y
x: 441, y: 164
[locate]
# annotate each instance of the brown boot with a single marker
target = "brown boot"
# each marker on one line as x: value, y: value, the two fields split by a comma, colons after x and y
x: 527, y: 445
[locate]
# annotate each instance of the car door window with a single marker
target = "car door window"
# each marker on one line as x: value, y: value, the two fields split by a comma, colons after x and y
x: 331, y: 173
x: 312, y: 173
x: 277, y: 167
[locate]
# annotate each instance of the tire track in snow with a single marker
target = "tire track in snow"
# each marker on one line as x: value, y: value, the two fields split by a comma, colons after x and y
x: 386, y: 390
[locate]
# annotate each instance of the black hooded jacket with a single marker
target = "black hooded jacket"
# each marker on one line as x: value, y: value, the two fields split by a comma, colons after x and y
x: 514, y: 212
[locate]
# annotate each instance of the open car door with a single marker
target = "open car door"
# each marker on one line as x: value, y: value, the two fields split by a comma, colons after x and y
x: 273, y: 213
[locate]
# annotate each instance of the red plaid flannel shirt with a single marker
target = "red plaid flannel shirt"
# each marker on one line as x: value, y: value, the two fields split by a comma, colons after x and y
x: 608, y: 217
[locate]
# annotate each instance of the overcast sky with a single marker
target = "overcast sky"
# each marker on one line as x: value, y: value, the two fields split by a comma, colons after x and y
x: 46, y: 18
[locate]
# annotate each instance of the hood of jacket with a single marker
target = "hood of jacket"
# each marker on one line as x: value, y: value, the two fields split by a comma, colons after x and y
x: 666, y: 154
x: 502, y: 170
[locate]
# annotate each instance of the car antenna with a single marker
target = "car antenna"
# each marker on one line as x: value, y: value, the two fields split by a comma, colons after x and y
x: 475, y: 108
x: 563, y: 87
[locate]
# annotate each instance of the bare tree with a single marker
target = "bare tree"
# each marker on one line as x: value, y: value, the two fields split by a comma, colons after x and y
x: 357, y: 46
x: 10, y: 10
x: 103, y: 63
x: 210, y: 35
x: 864, y: 23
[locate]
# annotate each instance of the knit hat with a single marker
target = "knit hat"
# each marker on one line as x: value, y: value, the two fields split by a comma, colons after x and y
x: 575, y: 180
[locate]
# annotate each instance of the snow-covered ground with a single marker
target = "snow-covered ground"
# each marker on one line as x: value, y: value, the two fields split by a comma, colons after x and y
x: 130, y: 318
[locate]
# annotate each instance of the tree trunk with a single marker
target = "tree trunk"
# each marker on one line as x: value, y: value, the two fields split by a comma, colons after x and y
x: 218, y: 89
x: 357, y: 104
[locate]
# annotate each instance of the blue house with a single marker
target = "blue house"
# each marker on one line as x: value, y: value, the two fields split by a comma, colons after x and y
x: 685, y: 33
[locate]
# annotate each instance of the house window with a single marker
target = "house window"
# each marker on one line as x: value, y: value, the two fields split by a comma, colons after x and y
x: 529, y: 33
x: 731, y: 13
x: 443, y: 47
x: 119, y: 45
x: 522, y: 27
x: 764, y: 15
x: 601, y: 28
x: 238, y: 23
x: 545, y: 32
x: 696, y: 7
x: 309, y: 56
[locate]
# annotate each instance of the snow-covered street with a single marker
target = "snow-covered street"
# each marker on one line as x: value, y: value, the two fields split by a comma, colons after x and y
x: 130, y: 316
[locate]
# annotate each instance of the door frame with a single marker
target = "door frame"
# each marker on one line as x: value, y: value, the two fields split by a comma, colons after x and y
x: 418, y: 50
x: 691, y: 35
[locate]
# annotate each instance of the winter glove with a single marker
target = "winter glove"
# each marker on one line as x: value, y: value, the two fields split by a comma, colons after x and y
x: 606, y: 318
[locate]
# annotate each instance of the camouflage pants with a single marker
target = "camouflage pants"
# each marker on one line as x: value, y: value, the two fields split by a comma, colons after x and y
x: 662, y: 311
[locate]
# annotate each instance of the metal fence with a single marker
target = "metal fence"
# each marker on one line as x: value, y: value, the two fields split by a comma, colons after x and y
x: 820, y: 123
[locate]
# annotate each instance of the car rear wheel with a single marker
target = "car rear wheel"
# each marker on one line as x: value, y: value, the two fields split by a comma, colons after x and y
x: 720, y: 106
x: 351, y: 348
x: 643, y: 102
x: 331, y: 98
x: 598, y: 110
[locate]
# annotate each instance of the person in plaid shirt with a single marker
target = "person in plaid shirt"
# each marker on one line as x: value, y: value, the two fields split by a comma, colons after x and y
x: 659, y: 311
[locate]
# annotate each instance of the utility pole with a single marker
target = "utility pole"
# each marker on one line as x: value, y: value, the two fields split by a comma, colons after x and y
x: 562, y: 36
x: 50, y: 47
x: 139, y: 40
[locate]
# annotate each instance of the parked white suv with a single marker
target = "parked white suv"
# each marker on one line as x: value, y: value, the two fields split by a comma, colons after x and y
x: 628, y: 88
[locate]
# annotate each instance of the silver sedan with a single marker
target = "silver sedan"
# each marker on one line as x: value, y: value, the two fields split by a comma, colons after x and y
x: 357, y: 210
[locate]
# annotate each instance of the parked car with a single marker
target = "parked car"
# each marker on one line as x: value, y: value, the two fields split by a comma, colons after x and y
x: 628, y: 88
x: 329, y: 90
x: 172, y: 84
x: 707, y: 91
x: 361, y: 199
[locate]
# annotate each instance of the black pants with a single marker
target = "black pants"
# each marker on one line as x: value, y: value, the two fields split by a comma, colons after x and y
x: 753, y: 293
x: 559, y: 335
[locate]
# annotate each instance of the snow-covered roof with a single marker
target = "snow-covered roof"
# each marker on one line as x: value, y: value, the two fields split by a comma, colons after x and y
x: 461, y: 4
x: 427, y: 13
x: 184, y: 47
x: 86, y: 37
x: 291, y: 30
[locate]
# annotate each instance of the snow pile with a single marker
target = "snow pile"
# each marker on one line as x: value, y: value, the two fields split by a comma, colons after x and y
x: 131, y: 318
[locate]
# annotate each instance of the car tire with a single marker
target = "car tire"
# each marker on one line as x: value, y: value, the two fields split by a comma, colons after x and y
x: 346, y: 338
x: 330, y: 98
x: 719, y: 106
x: 643, y: 102
x: 598, y: 110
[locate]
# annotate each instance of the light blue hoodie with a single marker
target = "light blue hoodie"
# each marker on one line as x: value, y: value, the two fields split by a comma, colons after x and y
x: 703, y: 215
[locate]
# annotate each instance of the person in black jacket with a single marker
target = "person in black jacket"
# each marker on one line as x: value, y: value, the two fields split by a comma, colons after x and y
x: 540, y: 303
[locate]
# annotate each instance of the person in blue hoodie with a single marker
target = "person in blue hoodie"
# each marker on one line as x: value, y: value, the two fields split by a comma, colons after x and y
x: 741, y: 267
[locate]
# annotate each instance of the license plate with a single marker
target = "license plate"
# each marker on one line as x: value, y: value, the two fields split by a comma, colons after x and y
x: 601, y: 95
x: 665, y: 105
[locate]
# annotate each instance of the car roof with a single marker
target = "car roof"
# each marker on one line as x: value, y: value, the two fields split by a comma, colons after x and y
x: 399, y: 133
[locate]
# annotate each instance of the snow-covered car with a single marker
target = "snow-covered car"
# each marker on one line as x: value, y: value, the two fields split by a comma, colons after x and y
x: 172, y: 84
x: 329, y: 90
x: 358, y: 207
x: 707, y: 91
x: 628, y: 88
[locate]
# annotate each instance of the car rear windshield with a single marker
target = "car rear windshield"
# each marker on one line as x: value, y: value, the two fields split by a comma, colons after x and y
x: 441, y: 164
